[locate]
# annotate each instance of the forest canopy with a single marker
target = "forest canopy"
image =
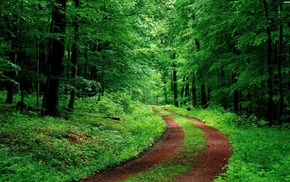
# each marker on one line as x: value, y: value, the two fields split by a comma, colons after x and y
x: 191, y: 53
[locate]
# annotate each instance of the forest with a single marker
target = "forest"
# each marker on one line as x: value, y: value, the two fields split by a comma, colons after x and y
x: 194, y: 53
x: 64, y: 62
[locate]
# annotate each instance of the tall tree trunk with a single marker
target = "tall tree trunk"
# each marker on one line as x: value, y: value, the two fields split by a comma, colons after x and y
x: 164, y: 88
x: 37, y: 73
x: 48, y: 65
x: 182, y: 93
x: 193, y: 92
x: 222, y: 81
x: 280, y: 59
x: 57, y: 54
x: 86, y: 63
x: 12, y: 57
x: 287, y: 86
x: 10, y: 84
x: 270, y: 66
x: 236, y: 93
x: 23, y: 79
x: 203, y: 95
x: 74, y: 58
x: 175, y: 89
x: 186, y: 91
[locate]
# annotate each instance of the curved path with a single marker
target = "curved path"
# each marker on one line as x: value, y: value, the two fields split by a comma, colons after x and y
x: 213, y: 159
x: 207, y: 167
x: 164, y: 149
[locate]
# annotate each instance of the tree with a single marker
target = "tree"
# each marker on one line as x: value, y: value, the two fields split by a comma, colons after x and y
x: 270, y: 65
x: 74, y: 58
x: 55, y: 63
x: 241, y: 62
x: 174, y: 85
x: 11, y: 37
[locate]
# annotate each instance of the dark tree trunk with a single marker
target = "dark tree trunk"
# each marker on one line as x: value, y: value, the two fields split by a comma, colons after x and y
x: 186, y: 92
x: 12, y: 57
x: 236, y: 94
x: 208, y: 96
x: 86, y: 63
x: 197, y: 44
x: 48, y: 66
x: 203, y: 96
x: 175, y: 89
x: 74, y: 58
x: 23, y: 78
x: 182, y: 93
x: 37, y: 74
x: 270, y: 66
x: 10, y: 88
x: 222, y: 84
x: 193, y: 92
x: 280, y: 59
x: 56, y: 66
x: 287, y: 86
x: 164, y: 89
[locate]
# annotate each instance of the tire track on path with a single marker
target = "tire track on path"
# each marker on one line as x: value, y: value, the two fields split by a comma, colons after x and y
x: 164, y: 149
x: 213, y: 159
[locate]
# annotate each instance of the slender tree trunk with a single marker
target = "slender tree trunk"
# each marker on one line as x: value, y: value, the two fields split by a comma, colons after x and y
x: 93, y: 69
x: 86, y: 63
x: 10, y: 84
x: 193, y: 92
x: 57, y: 54
x: 164, y: 88
x: 175, y: 89
x: 203, y: 95
x: 12, y: 57
x: 202, y: 86
x: 270, y: 66
x: 74, y: 58
x: 22, y: 79
x: 208, y: 96
x: 186, y: 91
x: 236, y: 94
x: 222, y: 81
x: 280, y: 59
x: 48, y: 65
x: 287, y: 86
x: 182, y: 93
x: 37, y: 72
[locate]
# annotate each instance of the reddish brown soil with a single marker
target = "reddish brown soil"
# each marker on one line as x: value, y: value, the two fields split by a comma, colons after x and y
x: 213, y: 159
x: 164, y: 149
x: 205, y: 168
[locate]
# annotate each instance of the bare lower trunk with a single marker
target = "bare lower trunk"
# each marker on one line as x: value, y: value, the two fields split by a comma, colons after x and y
x: 56, y: 66
x: 74, y: 58
x: 270, y: 66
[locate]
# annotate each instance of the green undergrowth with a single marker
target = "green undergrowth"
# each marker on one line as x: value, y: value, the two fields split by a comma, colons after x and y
x: 34, y: 148
x: 259, y: 153
x: 193, y: 142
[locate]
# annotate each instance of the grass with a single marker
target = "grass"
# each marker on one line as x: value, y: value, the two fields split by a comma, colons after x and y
x: 34, y: 148
x: 259, y: 153
x: 193, y: 142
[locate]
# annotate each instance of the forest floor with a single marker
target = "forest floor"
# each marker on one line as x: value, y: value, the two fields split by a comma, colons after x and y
x: 206, y: 167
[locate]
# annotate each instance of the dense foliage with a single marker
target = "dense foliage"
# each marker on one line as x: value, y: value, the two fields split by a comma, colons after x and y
x: 259, y: 154
x: 55, y: 149
x: 79, y: 60
x: 79, y: 48
x: 235, y: 55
